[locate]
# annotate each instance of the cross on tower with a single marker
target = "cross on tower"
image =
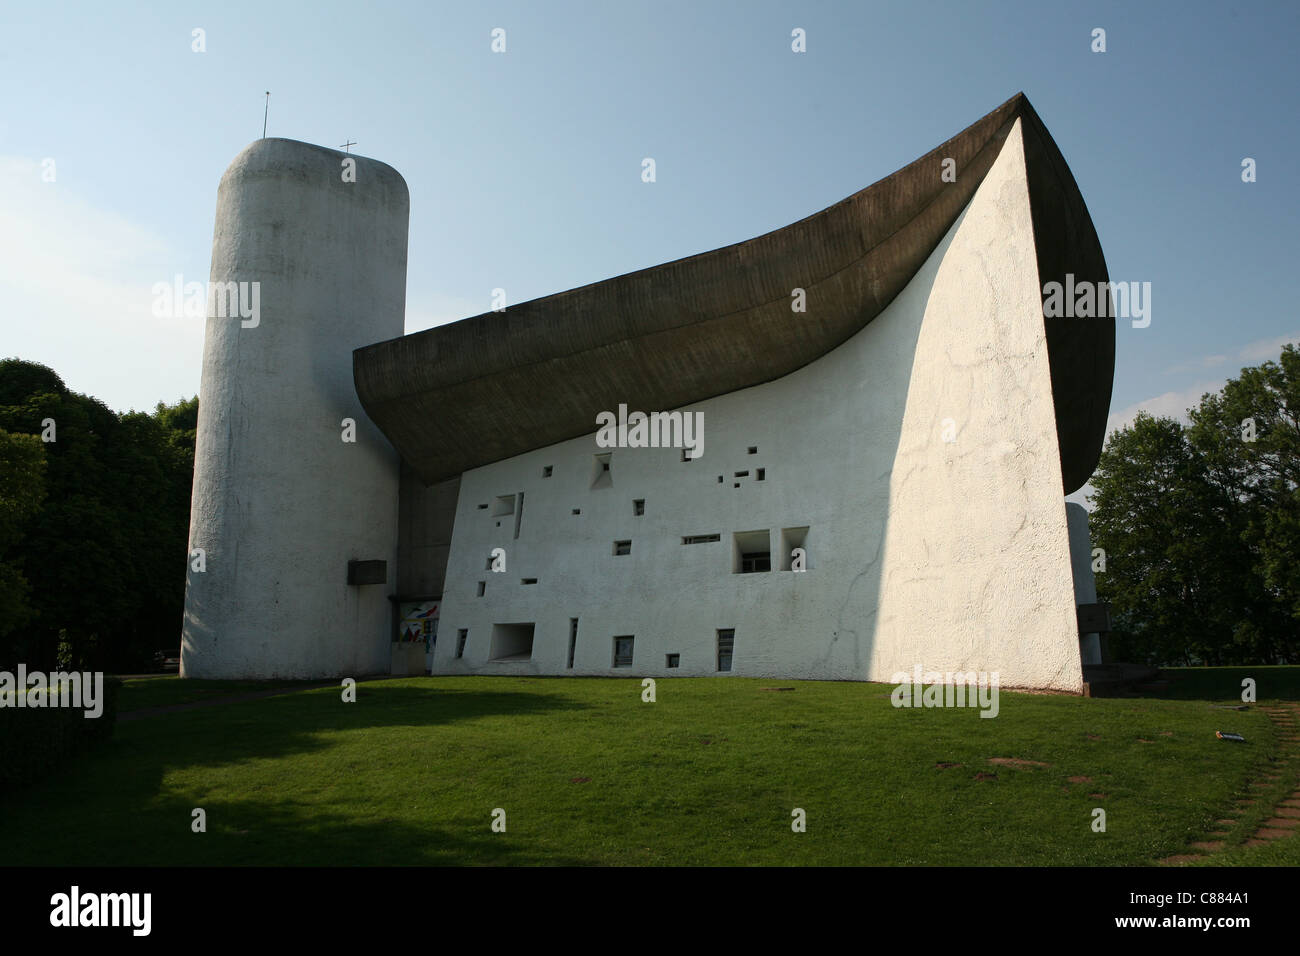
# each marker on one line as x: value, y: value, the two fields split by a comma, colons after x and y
x: 347, y: 147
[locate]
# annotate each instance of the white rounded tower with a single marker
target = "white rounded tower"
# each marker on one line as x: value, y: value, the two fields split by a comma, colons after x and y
x: 286, y: 492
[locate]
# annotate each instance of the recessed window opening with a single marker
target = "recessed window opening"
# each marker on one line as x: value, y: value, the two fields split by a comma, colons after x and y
x: 573, y: 639
x: 547, y: 470
x: 700, y: 538
x: 601, y: 475
x: 461, y: 636
x: 482, y: 587
x: 623, y: 651
x: 505, y: 505
x: 726, y: 644
x: 528, y: 580
x: 638, y: 506
x: 751, y: 551
x: 512, y: 642
x: 753, y: 449
x: 622, y: 547
x: 760, y: 474
x: 673, y: 660
x: 792, y: 538
x: 742, y: 474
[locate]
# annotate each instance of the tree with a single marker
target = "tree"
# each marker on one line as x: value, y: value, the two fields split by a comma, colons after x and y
x: 22, y: 488
x: 1201, y: 524
x: 103, y: 553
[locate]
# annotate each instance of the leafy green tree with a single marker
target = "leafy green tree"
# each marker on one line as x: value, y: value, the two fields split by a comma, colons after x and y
x: 1201, y: 525
x: 22, y: 489
x: 104, y: 553
x: 1249, y: 434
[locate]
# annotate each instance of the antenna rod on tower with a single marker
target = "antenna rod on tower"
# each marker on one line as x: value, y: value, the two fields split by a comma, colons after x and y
x: 264, y: 112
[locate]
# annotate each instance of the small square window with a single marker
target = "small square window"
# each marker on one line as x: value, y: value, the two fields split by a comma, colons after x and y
x: 482, y: 588
x: 753, y: 449
x: 638, y: 506
x: 577, y: 511
x: 760, y: 474
x: 546, y: 471
x: 622, y: 547
x: 674, y: 660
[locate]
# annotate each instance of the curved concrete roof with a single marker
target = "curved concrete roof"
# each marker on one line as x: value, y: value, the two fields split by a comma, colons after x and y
x: 496, y: 385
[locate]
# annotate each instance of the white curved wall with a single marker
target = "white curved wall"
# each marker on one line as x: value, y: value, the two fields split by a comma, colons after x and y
x: 951, y: 556
x: 281, y: 502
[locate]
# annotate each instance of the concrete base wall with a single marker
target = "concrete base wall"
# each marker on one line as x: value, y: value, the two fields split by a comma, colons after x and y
x: 944, y: 554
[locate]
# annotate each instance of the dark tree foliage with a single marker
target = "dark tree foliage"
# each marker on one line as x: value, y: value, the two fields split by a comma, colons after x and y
x: 104, y: 554
x: 1201, y: 526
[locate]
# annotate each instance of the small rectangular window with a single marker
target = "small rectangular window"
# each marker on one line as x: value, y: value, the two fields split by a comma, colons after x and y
x: 482, y: 507
x: 673, y: 660
x: 601, y: 475
x: 623, y: 651
x: 742, y: 474
x: 622, y: 547
x: 577, y: 511
x: 546, y: 471
x: 638, y: 506
x: 573, y: 638
x: 701, y: 538
x: 482, y: 586
x: 726, y: 643
x: 461, y: 636
x: 528, y: 580
x: 760, y: 474
x: 505, y: 506
x: 753, y: 449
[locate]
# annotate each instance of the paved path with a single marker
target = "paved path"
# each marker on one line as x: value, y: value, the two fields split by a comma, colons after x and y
x: 1281, y: 818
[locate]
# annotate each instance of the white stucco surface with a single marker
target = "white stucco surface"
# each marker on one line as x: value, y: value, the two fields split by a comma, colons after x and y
x: 951, y: 556
x: 281, y: 503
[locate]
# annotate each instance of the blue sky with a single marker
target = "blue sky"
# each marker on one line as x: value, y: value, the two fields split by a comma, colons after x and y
x: 524, y: 167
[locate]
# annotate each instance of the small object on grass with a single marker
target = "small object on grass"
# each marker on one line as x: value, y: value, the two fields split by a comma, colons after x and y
x: 1237, y: 737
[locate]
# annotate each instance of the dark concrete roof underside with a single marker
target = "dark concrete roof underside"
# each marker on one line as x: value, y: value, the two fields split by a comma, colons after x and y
x: 496, y: 385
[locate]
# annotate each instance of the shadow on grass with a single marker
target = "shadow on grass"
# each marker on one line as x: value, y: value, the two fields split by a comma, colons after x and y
x: 117, y: 805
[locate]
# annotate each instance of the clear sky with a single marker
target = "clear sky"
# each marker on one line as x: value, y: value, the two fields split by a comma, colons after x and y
x: 524, y: 167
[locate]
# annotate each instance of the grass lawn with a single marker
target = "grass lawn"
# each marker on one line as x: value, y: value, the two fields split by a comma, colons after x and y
x: 144, y: 693
x: 709, y: 774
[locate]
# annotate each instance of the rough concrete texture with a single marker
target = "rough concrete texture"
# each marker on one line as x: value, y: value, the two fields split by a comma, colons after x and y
x: 281, y: 503
x: 951, y: 556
